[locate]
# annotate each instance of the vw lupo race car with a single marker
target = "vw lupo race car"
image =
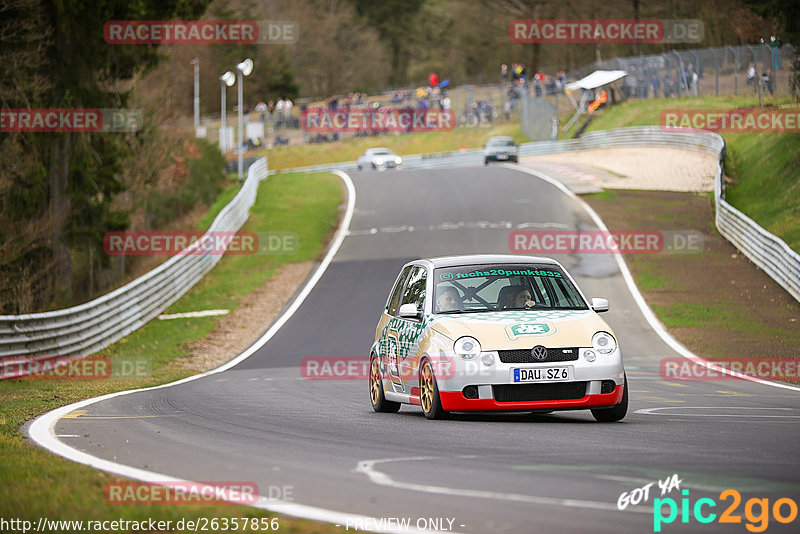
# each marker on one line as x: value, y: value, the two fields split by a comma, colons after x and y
x: 494, y: 333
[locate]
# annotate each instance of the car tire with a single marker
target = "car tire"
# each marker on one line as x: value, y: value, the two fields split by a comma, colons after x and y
x: 515, y: 160
x: 615, y: 413
x: 486, y: 161
x: 376, y: 396
x: 374, y: 167
x: 360, y: 167
x: 429, y: 397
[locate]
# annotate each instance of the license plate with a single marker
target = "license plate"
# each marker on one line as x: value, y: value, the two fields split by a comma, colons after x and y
x: 543, y: 374
x: 502, y: 156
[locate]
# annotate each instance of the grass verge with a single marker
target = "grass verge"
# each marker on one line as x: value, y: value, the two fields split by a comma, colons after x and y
x: 713, y: 301
x: 35, y: 483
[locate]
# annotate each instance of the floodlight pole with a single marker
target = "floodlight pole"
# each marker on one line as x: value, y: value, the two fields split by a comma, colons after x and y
x: 242, y: 69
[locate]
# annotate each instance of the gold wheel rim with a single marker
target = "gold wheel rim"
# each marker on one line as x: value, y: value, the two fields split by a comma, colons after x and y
x: 374, y: 382
x: 426, y: 388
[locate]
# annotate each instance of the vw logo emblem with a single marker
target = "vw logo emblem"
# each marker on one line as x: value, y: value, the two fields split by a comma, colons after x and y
x: 539, y: 352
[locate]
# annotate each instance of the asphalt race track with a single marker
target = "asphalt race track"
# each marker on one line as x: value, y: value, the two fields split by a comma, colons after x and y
x: 261, y: 421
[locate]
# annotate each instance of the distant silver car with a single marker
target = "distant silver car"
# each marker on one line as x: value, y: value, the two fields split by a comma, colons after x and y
x: 500, y: 148
x: 379, y: 158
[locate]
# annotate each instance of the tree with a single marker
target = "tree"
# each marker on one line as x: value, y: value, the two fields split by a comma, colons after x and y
x: 395, y: 22
x: 72, y: 178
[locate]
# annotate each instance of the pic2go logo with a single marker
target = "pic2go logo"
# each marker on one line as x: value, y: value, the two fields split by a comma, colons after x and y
x: 756, y: 511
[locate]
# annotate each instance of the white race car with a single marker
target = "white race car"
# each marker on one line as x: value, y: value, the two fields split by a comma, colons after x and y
x: 379, y: 158
x: 494, y: 333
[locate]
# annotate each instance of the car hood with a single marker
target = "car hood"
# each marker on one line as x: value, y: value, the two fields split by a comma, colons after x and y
x: 502, y: 330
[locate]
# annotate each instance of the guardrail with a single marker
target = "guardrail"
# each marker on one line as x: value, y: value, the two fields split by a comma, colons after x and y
x: 764, y: 249
x: 89, y: 327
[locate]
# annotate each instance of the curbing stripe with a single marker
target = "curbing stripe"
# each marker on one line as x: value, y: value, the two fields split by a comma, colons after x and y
x: 42, y: 430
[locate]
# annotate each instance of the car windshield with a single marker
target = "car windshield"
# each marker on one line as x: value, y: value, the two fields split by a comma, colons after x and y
x: 501, y: 142
x: 482, y: 288
x: 382, y: 152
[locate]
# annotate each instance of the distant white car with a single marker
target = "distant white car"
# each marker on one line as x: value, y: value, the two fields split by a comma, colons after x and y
x: 379, y: 158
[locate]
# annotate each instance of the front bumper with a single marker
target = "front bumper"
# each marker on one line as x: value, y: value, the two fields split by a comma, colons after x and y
x: 454, y: 401
x: 603, y: 378
x: 501, y: 157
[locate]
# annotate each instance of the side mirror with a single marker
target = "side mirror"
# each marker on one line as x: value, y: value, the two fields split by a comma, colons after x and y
x: 409, y: 311
x: 600, y: 305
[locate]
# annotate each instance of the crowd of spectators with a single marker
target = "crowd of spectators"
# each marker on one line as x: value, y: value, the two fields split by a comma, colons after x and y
x: 542, y: 84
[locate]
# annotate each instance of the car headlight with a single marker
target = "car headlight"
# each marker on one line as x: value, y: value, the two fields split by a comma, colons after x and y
x: 398, y: 160
x: 379, y: 161
x: 467, y: 347
x: 604, y: 343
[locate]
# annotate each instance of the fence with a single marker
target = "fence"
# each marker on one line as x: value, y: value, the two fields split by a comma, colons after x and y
x: 87, y: 328
x: 721, y: 70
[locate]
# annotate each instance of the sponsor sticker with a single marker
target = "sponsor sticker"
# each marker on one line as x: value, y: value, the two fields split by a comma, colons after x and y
x: 518, y: 330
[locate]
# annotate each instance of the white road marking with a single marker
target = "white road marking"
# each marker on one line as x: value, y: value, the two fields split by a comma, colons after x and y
x: 652, y: 320
x: 656, y: 411
x: 483, y: 225
x: 367, y: 467
x: 42, y: 430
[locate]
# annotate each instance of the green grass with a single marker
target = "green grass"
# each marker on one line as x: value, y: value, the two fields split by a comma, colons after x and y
x: 764, y: 166
x: 647, y: 280
x: 37, y: 483
x: 717, y: 314
x: 285, y: 157
x: 606, y: 195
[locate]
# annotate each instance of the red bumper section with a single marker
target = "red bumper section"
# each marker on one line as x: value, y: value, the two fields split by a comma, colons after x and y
x: 454, y: 401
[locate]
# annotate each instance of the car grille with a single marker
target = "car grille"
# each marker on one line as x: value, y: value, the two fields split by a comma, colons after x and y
x: 553, y: 355
x: 539, y: 392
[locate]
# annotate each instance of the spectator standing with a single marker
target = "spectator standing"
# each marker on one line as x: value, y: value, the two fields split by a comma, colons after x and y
x: 279, y: 111
x: 751, y: 76
x: 766, y: 77
x: 287, y: 109
x: 261, y: 107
